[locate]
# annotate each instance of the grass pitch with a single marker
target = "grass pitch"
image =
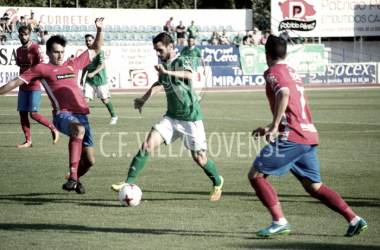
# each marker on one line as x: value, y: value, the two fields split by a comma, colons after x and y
x: 175, y: 212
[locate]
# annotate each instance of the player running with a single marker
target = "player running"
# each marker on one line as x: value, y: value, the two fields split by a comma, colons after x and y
x: 295, y: 149
x: 29, y: 96
x: 70, y: 109
x: 96, y: 80
x: 194, y: 53
x: 183, y: 119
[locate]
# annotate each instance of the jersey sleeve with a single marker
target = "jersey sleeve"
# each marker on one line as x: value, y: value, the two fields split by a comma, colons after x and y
x: 102, y: 58
x: 199, y: 53
x: 185, y: 64
x: 276, y: 82
x: 83, y: 60
x: 17, y: 62
x: 32, y: 74
x: 40, y: 55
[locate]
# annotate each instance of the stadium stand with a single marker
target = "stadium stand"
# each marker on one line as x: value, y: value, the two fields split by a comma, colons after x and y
x: 83, y: 28
x: 74, y: 28
x: 66, y: 28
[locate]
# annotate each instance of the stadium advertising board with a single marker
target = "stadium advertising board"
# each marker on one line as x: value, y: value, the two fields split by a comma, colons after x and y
x: 215, y: 56
x: 234, y: 76
x: 327, y: 18
x: 303, y: 58
x: 343, y: 73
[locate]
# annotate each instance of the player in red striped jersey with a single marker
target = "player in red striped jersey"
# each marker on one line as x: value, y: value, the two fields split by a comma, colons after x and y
x: 29, y: 96
x: 295, y: 149
x: 60, y: 80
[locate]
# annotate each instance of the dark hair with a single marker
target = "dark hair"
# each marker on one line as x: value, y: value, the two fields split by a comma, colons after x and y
x: 55, y: 39
x: 164, y: 38
x: 46, y: 32
x: 89, y: 35
x: 21, y: 17
x: 5, y: 14
x: 275, y: 47
x: 23, y: 28
x: 190, y: 37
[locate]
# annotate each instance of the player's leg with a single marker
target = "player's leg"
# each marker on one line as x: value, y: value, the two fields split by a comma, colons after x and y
x: 35, y: 100
x: 104, y: 95
x: 89, y: 92
x: 139, y: 160
x: 307, y: 171
x: 23, y: 108
x: 86, y: 162
x: 274, y: 159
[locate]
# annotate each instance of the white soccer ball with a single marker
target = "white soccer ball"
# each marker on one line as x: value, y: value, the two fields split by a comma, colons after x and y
x: 130, y: 195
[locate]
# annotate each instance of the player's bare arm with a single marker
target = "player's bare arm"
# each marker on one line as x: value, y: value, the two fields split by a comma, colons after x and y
x: 11, y: 85
x: 282, y: 99
x: 139, y: 102
x: 97, y: 45
x: 185, y: 74
x: 100, y: 68
x: 83, y: 74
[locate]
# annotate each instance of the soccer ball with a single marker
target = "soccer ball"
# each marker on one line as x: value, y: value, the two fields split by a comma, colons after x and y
x: 130, y: 195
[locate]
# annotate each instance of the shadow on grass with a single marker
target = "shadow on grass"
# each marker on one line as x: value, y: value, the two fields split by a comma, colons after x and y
x: 303, y: 245
x: 80, y: 228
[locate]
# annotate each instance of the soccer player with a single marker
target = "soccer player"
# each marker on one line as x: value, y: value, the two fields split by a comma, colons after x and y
x: 96, y: 80
x: 193, y: 52
x: 29, y: 95
x: 295, y: 149
x: 192, y: 30
x: 183, y: 118
x: 70, y: 109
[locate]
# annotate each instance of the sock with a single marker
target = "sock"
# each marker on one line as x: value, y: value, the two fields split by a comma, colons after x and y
x: 110, y: 108
x: 82, y: 169
x: 43, y: 120
x: 25, y: 125
x: 137, y: 165
x: 268, y: 196
x: 75, y: 150
x: 333, y: 201
x: 354, y: 221
x: 212, y: 173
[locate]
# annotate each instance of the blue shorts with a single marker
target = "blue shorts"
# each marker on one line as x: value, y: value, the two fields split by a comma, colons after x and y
x: 281, y: 156
x: 29, y: 100
x: 63, y: 121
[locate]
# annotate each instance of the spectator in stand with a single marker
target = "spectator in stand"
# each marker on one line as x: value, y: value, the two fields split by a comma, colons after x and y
x: 271, y: 32
x: 169, y: 26
x: 247, y: 39
x: 181, y: 31
x: 256, y: 37
x: 32, y: 22
x: 238, y: 40
x: 21, y: 22
x: 285, y: 35
x: 214, y: 38
x: 300, y: 40
x: 192, y: 31
x: 4, y: 24
x: 264, y: 39
x: 224, y: 39
x: 3, y: 38
x: 43, y: 39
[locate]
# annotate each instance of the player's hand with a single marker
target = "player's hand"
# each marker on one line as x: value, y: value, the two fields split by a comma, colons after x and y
x: 81, y: 83
x: 139, y: 103
x: 90, y: 75
x: 99, y: 23
x: 259, y: 132
x: 160, y: 69
x: 270, y: 134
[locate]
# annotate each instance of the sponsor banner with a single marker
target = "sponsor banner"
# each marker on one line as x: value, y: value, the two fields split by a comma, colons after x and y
x: 234, y: 76
x: 303, y: 58
x: 343, y: 73
x: 327, y: 18
x: 222, y: 55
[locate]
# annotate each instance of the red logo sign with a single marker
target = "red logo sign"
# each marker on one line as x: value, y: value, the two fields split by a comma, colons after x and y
x: 140, y: 79
x: 296, y: 9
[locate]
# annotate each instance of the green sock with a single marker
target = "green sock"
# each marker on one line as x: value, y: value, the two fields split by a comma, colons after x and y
x: 137, y: 165
x: 211, y: 172
x: 110, y: 108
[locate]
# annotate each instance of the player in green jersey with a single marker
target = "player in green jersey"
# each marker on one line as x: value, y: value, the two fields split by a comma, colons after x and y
x: 183, y: 118
x: 194, y: 53
x: 192, y: 30
x: 96, y: 80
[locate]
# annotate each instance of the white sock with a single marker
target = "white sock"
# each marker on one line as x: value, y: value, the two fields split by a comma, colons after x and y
x: 354, y: 221
x: 281, y: 221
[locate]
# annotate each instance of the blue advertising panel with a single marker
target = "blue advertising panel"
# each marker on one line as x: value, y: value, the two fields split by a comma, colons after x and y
x: 343, y: 73
x: 220, y: 55
x: 233, y: 76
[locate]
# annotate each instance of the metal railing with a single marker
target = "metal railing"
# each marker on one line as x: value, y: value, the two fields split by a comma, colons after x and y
x: 349, y: 55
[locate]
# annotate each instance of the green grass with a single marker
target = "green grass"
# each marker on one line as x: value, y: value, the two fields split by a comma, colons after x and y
x: 175, y: 212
